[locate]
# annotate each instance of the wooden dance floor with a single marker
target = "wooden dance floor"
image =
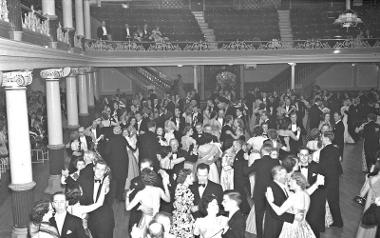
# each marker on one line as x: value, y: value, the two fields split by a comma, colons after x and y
x: 350, y: 183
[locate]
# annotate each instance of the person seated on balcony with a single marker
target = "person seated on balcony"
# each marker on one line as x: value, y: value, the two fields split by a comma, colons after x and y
x: 127, y: 33
x: 103, y: 32
x: 146, y: 32
x: 157, y: 36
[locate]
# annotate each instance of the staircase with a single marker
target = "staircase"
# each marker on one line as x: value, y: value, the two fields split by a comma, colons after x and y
x: 285, y: 25
x: 207, y: 32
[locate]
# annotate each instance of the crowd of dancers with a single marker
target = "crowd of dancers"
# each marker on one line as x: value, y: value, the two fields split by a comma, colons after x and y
x: 268, y: 164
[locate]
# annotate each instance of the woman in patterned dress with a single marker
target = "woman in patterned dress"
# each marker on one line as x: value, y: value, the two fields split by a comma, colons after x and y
x: 182, y: 225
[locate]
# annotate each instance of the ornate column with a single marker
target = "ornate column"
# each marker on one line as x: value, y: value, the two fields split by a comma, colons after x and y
x: 55, y: 134
x: 22, y: 183
x: 90, y: 91
x: 202, y: 83
x: 378, y: 76
x: 72, y: 100
x: 67, y: 8
x: 48, y: 10
x: 354, y: 73
x: 293, y: 75
x: 195, y: 78
x: 242, y: 71
x: 96, y: 85
x: 79, y: 18
x: 87, y: 19
x: 83, y: 104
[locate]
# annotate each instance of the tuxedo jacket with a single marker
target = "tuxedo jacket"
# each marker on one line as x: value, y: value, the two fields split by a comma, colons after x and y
x: 315, y: 116
x: 339, y: 136
x: 273, y: 223
x: 211, y: 189
x: 316, y: 213
x: 72, y: 227
x: 262, y: 168
x: 182, y: 124
x: 236, y: 226
x: 143, y: 125
x: 371, y: 136
x: 241, y: 180
x: 148, y: 146
x: 330, y: 165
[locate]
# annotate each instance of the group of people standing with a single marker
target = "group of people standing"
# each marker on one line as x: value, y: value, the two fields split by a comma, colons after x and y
x: 268, y: 165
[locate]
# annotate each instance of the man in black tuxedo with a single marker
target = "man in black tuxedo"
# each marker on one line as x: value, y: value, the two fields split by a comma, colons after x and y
x: 179, y: 122
x: 371, y: 132
x: 264, y: 118
x: 204, y: 187
x: 103, y: 32
x: 273, y: 222
x: 116, y: 156
x: 67, y: 225
x: 101, y: 221
x: 315, y: 114
x: 198, y: 132
x: 339, y: 133
x: 148, y: 144
x: 317, y: 210
x: 141, y: 123
x: 354, y: 118
x: 295, y: 127
x: 241, y: 180
x: 332, y: 169
x: 262, y: 168
x: 236, y: 219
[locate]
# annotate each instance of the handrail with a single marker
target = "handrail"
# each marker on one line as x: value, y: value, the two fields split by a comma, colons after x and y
x: 274, y: 44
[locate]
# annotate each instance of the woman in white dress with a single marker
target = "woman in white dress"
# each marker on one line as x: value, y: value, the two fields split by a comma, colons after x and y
x: 344, y: 112
x: 132, y: 150
x: 149, y: 198
x: 211, y: 225
x: 297, y: 203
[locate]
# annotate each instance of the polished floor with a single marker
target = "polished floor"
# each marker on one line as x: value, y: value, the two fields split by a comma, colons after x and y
x: 351, y: 182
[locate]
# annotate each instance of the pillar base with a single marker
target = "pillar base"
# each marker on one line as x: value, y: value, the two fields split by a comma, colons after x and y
x: 22, y: 200
x: 16, y: 35
x: 84, y: 119
x: 54, y: 184
x: 56, y: 161
x: 18, y: 232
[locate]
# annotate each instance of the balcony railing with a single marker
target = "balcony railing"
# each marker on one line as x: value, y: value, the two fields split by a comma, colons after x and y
x: 100, y: 45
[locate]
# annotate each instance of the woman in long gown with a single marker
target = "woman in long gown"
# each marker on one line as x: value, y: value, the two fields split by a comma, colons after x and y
x: 74, y: 194
x: 209, y: 153
x: 182, y: 225
x: 344, y: 112
x: 211, y: 225
x: 371, y: 188
x: 149, y: 198
x: 297, y: 203
x: 132, y: 150
x: 227, y: 172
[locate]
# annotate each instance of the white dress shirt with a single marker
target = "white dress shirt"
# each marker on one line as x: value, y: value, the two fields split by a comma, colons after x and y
x: 104, y: 30
x: 60, y: 220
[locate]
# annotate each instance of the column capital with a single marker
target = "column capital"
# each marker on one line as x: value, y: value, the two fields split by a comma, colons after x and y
x: 55, y: 74
x: 16, y: 79
x: 82, y: 70
x: 74, y: 72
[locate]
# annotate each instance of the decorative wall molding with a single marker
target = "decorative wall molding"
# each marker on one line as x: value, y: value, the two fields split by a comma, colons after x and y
x: 54, y: 74
x: 15, y: 79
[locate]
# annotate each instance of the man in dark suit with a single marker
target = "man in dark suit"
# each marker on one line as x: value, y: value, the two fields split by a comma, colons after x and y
x: 316, y: 214
x: 116, y: 156
x: 101, y: 221
x: 262, y: 168
x: 204, y: 187
x: 332, y: 169
x: 141, y: 123
x: 273, y: 222
x: 295, y: 127
x: 68, y: 226
x: 371, y: 132
x: 85, y: 142
x: 236, y: 219
x: 179, y: 121
x: 241, y: 180
x: 339, y: 133
x: 148, y: 144
x: 103, y: 32
x: 315, y: 114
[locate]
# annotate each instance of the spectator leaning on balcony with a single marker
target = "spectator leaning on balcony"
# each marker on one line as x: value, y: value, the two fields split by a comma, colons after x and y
x: 103, y: 32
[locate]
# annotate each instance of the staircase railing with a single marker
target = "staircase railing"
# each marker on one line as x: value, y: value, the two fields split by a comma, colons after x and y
x: 160, y: 75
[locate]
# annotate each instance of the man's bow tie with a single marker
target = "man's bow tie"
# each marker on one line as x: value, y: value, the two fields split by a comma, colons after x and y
x: 202, y: 185
x: 304, y: 166
x: 97, y: 180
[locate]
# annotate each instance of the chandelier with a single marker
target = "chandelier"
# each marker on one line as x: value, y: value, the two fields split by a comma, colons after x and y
x: 348, y: 19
